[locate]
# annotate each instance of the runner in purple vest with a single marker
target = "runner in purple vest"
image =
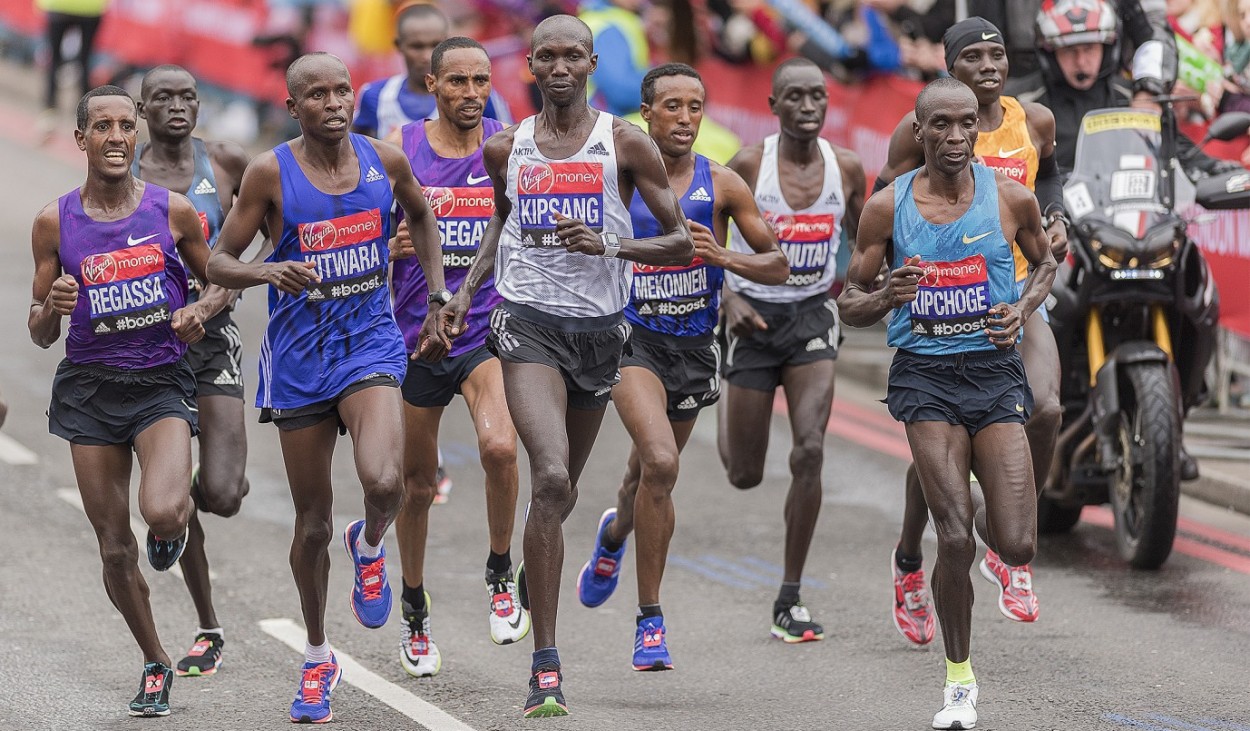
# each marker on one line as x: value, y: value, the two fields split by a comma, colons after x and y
x: 113, y: 256
x: 446, y: 156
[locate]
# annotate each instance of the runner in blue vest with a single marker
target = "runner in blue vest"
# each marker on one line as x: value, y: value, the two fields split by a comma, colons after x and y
x: 113, y: 256
x: 957, y: 380
x: 674, y: 369
x: 210, y: 174
x: 333, y: 356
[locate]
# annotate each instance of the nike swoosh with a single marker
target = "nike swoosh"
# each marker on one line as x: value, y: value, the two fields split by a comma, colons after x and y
x: 517, y: 623
x: 132, y: 241
x: 1009, y: 153
x: 987, y: 36
x: 976, y: 238
x: 474, y: 181
x: 1020, y: 408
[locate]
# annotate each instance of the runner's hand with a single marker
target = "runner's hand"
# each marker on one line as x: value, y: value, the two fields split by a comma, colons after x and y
x: 904, y: 282
x: 1058, y: 233
x: 291, y: 276
x: 432, y: 343
x: 1004, y: 323
x: 705, y: 244
x: 577, y: 236
x: 64, y: 295
x: 741, y: 318
x: 401, y: 244
x: 453, y: 313
x: 188, y: 325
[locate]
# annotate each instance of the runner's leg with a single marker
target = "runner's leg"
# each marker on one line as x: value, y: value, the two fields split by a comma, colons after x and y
x: 809, y: 398
x: 308, y: 454
x: 1041, y: 365
x: 420, y: 485
x: 743, y: 421
x: 1007, y: 482
x: 374, y: 418
x: 496, y: 444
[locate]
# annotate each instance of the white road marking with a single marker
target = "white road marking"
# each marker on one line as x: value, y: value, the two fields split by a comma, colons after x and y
x: 136, y: 526
x: 428, y: 715
x: 13, y: 452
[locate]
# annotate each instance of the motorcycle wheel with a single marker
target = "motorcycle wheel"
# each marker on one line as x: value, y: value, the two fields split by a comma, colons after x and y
x: 1145, y: 490
x: 1054, y: 517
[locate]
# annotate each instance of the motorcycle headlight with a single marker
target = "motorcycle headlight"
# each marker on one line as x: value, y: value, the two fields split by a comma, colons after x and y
x: 1114, y: 248
x: 1161, y: 245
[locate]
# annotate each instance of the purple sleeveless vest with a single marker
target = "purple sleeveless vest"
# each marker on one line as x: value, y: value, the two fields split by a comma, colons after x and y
x: 130, y: 282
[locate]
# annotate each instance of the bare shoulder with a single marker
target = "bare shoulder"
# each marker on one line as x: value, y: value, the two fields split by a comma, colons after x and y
x: 181, y: 207
x: 848, y: 160
x: 1039, y: 117
x: 1019, y: 199
x: 747, y: 162
x: 497, y: 148
x: 229, y: 155
x: 48, y: 221
x: 879, y: 206
x: 630, y: 139
x: 387, y: 151
x: 726, y: 180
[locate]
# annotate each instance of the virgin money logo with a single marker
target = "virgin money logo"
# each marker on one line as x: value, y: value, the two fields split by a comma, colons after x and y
x: 801, y: 227
x: 342, y: 231
x: 442, y: 201
x: 99, y: 269
x: 123, y: 264
x: 535, y: 178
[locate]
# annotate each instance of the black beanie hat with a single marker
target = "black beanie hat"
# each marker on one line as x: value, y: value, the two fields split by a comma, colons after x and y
x: 966, y: 32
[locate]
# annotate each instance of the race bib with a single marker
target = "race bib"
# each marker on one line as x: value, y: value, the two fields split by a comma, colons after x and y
x: 671, y: 291
x: 126, y: 289
x: 1012, y: 167
x: 462, y: 215
x: 572, y: 189
x: 953, y: 298
x: 346, y: 251
x: 807, y: 240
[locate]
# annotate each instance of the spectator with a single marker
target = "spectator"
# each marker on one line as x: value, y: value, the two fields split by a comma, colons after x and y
x: 624, y: 57
x: 82, y: 16
x: 1199, y: 32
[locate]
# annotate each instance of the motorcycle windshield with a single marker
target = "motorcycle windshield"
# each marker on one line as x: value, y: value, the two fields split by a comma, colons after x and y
x: 1116, y: 178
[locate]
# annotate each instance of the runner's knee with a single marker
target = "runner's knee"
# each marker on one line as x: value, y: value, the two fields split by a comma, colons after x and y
x: 385, y: 486
x: 550, y: 486
x: 659, y: 468
x: 118, y: 552
x: 223, y: 498
x: 420, y: 487
x: 807, y: 457
x: 1015, y: 550
x: 745, y: 477
x: 167, y: 519
x: 313, y: 532
x: 497, y: 453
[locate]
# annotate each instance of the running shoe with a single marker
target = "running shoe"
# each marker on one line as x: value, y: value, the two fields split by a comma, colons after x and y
x: 598, y: 578
x: 371, y: 594
x: 959, y: 707
x: 522, y: 589
x: 509, y: 621
x: 417, y: 652
x: 651, y: 645
x: 443, y: 492
x: 1016, y: 599
x: 204, y: 657
x: 913, y: 611
x: 312, y: 700
x: 794, y: 624
x: 546, y: 698
x: 163, y: 554
x: 153, y: 697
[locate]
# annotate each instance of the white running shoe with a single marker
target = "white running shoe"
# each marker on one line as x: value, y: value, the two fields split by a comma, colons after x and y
x: 959, y: 709
x: 417, y: 652
x: 509, y: 621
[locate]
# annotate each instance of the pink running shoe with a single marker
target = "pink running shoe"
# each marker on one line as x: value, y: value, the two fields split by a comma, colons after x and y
x: 913, y: 611
x: 1016, y: 599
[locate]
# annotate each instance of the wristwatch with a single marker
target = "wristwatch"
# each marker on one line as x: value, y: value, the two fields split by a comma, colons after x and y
x: 611, y: 244
x: 1058, y: 215
x: 441, y: 296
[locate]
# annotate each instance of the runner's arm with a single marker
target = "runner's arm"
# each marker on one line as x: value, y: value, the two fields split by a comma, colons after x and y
x: 234, y: 160
x: 853, y: 187
x: 768, y: 264
x: 53, y: 293
x: 905, y: 153
x: 1048, y: 185
x: 1033, y: 242
x: 422, y: 227
x: 859, y: 305
x: 642, y: 162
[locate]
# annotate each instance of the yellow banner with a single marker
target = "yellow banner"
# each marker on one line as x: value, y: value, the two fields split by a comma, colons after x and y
x: 1122, y: 120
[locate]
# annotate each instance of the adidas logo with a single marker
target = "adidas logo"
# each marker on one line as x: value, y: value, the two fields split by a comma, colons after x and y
x: 598, y: 149
x: 102, y: 329
x: 315, y: 295
x: 832, y: 200
x: 226, y: 379
x: 373, y: 175
x: 204, y: 188
x: 688, y: 403
x: 815, y: 344
x: 701, y: 195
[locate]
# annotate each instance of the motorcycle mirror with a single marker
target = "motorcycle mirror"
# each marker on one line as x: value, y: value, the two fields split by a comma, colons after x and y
x: 1228, y: 126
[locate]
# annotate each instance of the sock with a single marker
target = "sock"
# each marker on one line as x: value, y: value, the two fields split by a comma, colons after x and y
x: 415, y: 598
x: 317, y: 653
x: 648, y: 610
x: 960, y: 672
x: 499, y: 563
x: 546, y: 657
x: 364, y: 549
x: 789, y: 594
x: 908, y: 564
x: 440, y: 456
x: 215, y: 631
x: 608, y: 543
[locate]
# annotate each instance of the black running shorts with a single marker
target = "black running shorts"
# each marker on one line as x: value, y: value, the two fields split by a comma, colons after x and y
x: 973, y: 389
x: 798, y: 333
x: 585, y: 350
x: 303, y: 417
x: 428, y: 385
x: 689, y: 368
x: 217, y: 360
x: 97, y: 405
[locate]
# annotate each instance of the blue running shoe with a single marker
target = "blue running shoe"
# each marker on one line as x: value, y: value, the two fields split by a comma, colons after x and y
x: 153, y: 697
x: 598, y: 577
x: 371, y: 593
x: 312, y: 700
x: 546, y: 697
x: 163, y: 554
x: 650, y: 645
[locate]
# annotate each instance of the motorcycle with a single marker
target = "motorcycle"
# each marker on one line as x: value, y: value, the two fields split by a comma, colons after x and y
x: 1134, y: 318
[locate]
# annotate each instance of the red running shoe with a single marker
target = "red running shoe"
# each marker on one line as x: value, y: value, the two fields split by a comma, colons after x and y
x: 1016, y: 599
x: 913, y: 610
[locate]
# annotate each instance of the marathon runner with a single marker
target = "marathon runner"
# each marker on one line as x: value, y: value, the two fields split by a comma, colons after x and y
x: 113, y: 255
x: 446, y: 156
x: 1018, y: 140
x: 957, y: 381
x: 333, y: 357
x: 209, y: 173
x: 562, y: 229
x: 787, y: 335
x: 673, y: 371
